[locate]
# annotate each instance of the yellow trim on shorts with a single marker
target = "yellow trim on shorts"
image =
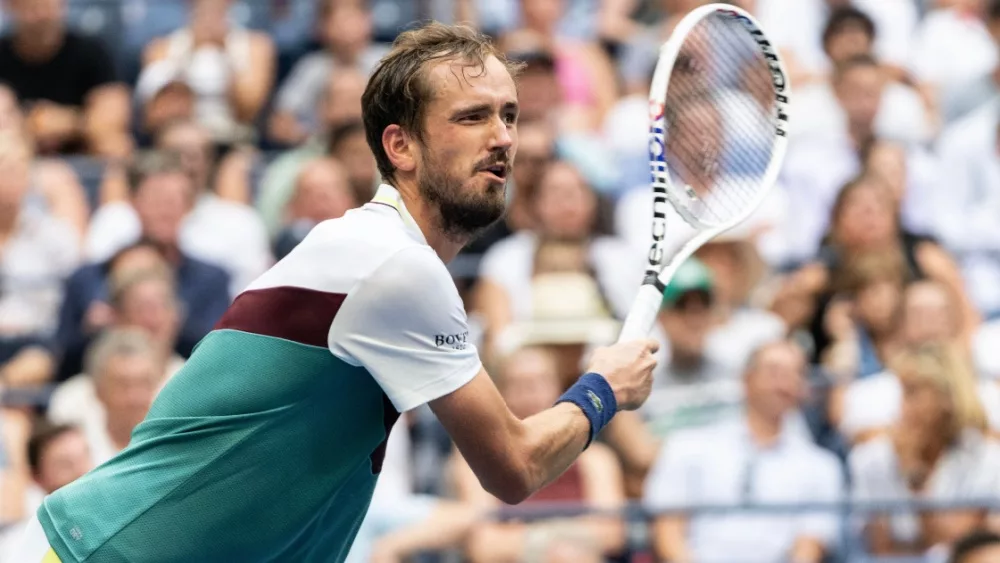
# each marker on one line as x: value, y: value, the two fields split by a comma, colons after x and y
x: 51, y: 557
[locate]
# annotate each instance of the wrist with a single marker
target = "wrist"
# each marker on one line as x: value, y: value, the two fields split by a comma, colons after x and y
x: 594, y: 396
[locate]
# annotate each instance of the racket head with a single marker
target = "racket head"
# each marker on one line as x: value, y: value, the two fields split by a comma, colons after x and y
x: 718, y: 108
x: 718, y: 120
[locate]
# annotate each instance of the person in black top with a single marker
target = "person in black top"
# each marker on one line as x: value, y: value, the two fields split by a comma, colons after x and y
x: 66, y: 82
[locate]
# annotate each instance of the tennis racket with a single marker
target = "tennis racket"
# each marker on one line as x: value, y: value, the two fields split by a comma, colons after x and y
x: 718, y: 107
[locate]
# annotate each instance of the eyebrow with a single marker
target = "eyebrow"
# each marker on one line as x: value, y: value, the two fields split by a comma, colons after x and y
x: 482, y: 107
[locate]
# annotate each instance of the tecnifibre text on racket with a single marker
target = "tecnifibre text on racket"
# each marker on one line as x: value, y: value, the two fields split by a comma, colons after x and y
x: 718, y: 133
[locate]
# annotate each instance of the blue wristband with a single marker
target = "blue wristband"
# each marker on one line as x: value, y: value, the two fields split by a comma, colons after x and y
x: 593, y: 394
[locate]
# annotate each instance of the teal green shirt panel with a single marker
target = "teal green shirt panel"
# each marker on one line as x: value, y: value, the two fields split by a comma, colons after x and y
x: 270, y: 462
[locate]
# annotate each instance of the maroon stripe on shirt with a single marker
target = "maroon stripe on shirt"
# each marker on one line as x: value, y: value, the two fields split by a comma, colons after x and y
x: 292, y: 313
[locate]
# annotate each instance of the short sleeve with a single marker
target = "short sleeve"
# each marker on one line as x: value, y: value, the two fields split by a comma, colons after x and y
x: 406, y: 324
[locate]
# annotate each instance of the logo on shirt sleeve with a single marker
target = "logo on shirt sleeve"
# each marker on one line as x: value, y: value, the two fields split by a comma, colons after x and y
x: 454, y: 341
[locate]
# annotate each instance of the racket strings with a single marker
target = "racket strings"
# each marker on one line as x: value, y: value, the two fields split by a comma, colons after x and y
x: 720, y: 120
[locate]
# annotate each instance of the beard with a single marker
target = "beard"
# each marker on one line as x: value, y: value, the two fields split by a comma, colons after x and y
x: 463, y: 212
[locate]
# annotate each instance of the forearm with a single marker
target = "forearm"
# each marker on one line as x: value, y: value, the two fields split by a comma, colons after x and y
x: 550, y: 442
x: 807, y: 550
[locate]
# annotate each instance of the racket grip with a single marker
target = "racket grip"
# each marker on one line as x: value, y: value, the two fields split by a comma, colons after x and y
x: 642, y: 315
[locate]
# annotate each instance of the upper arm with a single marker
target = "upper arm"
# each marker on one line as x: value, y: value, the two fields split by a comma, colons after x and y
x: 405, y: 323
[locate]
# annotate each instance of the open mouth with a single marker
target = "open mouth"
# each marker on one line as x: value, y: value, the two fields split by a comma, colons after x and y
x: 497, y: 170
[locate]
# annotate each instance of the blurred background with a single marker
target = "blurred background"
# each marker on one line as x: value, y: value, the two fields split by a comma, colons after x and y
x: 829, y: 379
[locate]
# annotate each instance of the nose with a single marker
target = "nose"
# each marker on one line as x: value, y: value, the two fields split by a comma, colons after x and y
x: 503, y: 135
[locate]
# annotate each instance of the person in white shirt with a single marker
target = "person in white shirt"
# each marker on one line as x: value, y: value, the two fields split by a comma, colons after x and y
x: 143, y: 299
x: 126, y: 377
x: 937, y: 450
x: 221, y: 232
x: 759, y: 458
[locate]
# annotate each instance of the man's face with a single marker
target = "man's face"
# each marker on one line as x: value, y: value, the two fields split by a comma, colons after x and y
x: 127, y: 388
x: 775, y: 385
x: 467, y: 146
x: 860, y: 93
x: 194, y: 145
x: 161, y: 202
x: 347, y: 28
x: 687, y: 323
x: 38, y: 16
x: 151, y: 306
x: 322, y: 192
x: 64, y: 460
x: 353, y: 152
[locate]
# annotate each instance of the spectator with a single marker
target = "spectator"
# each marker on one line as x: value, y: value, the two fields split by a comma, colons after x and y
x: 142, y: 299
x: 127, y: 374
x: 322, y: 192
x: 37, y: 253
x: 760, y: 458
x: 936, y: 451
x: 529, y: 382
x: 825, y: 107
x: 161, y: 195
x: 77, y: 104
x: 565, y: 209
x: 865, y: 219
x: 871, y: 406
x: 55, y: 187
x: 910, y: 176
x: 978, y: 547
x: 691, y: 387
x: 346, y: 29
x: 862, y: 319
x: 57, y: 454
x: 348, y: 146
x: 229, y: 69
x: 340, y: 104
x: 585, y: 74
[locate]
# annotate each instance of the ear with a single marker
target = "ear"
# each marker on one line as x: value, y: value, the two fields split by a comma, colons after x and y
x: 400, y: 147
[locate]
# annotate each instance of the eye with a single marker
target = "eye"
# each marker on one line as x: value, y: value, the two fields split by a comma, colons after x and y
x: 510, y: 117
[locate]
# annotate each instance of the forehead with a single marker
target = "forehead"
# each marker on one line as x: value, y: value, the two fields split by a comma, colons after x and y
x: 458, y: 82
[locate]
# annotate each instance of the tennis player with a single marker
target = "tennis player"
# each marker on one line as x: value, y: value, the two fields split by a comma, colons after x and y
x: 266, y: 446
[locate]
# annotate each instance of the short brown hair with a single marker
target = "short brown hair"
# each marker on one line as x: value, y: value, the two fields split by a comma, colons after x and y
x: 44, y: 433
x: 154, y: 163
x: 398, y: 93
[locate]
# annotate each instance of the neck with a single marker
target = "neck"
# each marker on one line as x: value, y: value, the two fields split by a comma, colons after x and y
x: 119, y: 432
x: 428, y: 220
x: 763, y: 429
x: 684, y: 360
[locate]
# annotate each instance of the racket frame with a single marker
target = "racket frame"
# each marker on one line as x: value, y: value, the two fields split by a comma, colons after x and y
x: 662, y: 267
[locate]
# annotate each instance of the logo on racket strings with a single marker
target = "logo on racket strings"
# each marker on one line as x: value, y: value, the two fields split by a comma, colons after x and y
x: 778, y: 78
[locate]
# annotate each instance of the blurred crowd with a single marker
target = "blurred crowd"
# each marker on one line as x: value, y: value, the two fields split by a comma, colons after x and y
x: 843, y: 344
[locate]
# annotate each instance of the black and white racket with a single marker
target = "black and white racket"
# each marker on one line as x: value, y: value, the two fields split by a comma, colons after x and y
x: 718, y: 135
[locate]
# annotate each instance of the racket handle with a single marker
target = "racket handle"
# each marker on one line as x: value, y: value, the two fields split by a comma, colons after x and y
x: 642, y: 315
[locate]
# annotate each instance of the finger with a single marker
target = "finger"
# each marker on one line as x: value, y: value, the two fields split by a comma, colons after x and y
x: 652, y: 345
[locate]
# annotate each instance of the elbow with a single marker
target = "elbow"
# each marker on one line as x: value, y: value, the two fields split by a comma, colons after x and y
x: 512, y: 482
x: 513, y: 489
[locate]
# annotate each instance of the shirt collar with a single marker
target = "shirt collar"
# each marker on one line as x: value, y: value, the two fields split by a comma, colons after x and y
x: 388, y: 196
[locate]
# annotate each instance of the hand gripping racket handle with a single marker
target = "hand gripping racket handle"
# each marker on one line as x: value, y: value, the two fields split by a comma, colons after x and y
x: 643, y: 314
